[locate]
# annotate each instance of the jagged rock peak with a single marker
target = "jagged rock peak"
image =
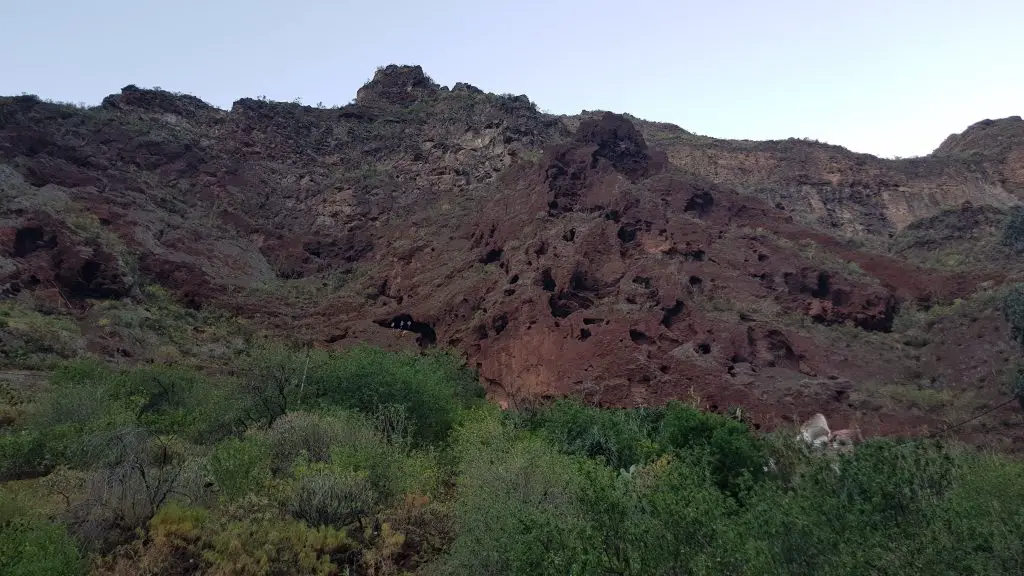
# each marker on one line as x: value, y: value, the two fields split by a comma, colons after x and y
x: 397, y: 84
x: 156, y: 100
x: 468, y: 88
x: 985, y: 137
x: 619, y: 142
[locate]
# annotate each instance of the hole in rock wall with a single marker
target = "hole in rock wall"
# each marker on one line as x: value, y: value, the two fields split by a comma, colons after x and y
x: 492, y: 256
x: 639, y: 337
x: 499, y: 323
x: 642, y: 281
x: 547, y: 282
x: 824, y: 286
x: 627, y: 234
x: 670, y: 314
x: 29, y: 239
x: 701, y: 203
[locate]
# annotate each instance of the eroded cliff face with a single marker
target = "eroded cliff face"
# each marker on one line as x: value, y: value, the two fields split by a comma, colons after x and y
x: 858, y: 195
x: 625, y: 262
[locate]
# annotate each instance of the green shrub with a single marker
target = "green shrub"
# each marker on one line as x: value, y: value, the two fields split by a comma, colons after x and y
x: 620, y: 438
x: 33, y: 547
x: 978, y: 528
x: 364, y: 450
x: 187, y: 539
x: 131, y: 476
x: 886, y: 483
x: 239, y: 467
x: 182, y: 401
x: 352, y: 449
x: 1013, y: 311
x: 668, y: 497
x: 326, y: 497
x: 1013, y: 230
x: 305, y: 434
x: 84, y: 403
x: 432, y: 389
x: 87, y: 400
x: 274, y: 380
x: 845, y: 515
x: 734, y: 456
x: 23, y: 453
x: 517, y: 509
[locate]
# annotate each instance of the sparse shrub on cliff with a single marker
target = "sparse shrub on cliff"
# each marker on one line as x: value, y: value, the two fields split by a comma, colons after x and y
x: 29, y: 339
x: 1013, y: 230
x: 1015, y: 382
x: 1013, y: 310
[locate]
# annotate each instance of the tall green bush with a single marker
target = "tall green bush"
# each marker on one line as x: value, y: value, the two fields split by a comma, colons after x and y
x: 239, y: 467
x: 432, y: 389
x: 31, y: 546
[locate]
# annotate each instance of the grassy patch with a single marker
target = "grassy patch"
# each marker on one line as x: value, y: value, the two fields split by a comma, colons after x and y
x: 157, y: 329
x: 34, y: 340
x: 309, y: 291
x: 810, y: 251
x: 917, y: 319
x: 915, y: 397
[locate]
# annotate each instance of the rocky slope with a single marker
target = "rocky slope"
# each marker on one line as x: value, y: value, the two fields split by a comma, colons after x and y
x: 858, y: 195
x: 624, y: 261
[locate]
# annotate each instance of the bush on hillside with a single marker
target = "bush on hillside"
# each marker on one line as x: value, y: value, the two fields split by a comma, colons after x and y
x: 517, y: 510
x: 1013, y: 230
x: 620, y: 438
x: 732, y: 453
x: 431, y: 389
x: 31, y: 546
x: 239, y: 467
x: 1013, y: 311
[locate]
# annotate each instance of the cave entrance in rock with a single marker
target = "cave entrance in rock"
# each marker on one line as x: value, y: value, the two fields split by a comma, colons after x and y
x: 426, y: 336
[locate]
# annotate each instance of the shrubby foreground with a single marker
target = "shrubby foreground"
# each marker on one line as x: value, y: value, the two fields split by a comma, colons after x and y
x: 367, y: 462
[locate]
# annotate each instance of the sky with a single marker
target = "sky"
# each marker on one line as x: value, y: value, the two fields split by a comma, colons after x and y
x: 890, y: 78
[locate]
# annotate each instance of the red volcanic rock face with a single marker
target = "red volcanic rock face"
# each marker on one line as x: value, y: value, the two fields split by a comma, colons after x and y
x: 558, y: 256
x: 51, y: 255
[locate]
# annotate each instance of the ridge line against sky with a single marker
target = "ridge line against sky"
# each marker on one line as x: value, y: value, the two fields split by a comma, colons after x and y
x: 889, y: 78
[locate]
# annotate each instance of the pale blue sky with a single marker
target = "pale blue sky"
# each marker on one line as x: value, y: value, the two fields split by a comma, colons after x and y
x: 886, y: 77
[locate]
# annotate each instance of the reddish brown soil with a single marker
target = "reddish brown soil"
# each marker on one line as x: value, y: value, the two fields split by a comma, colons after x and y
x: 559, y: 257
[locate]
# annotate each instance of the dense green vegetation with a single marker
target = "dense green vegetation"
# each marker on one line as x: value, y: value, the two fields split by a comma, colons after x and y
x: 366, y: 462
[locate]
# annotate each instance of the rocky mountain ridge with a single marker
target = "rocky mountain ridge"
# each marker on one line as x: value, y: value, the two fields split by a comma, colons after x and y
x: 623, y: 261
